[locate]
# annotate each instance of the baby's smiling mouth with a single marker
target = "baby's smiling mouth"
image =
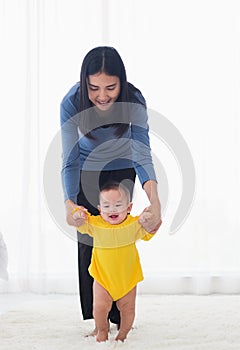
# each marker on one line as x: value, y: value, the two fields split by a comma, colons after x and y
x: 113, y: 216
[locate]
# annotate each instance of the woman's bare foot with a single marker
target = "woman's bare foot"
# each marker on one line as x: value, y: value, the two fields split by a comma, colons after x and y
x: 102, y: 336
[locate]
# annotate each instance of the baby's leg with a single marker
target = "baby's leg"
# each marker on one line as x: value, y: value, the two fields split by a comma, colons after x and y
x: 126, y: 306
x: 102, y: 303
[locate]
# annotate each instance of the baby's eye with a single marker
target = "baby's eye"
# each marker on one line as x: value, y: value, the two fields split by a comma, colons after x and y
x: 119, y: 206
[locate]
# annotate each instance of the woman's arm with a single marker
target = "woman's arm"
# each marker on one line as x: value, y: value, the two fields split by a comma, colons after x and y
x: 150, y: 218
x: 70, y: 154
x: 141, y: 150
x: 69, y: 109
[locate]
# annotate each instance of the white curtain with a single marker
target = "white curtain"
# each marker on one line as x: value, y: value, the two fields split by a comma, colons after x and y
x: 184, y: 56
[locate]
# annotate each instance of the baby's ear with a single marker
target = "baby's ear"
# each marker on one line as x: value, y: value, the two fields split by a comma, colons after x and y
x: 129, y: 207
x: 99, y: 208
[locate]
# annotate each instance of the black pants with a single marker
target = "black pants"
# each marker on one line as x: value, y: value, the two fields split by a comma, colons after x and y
x: 88, y: 196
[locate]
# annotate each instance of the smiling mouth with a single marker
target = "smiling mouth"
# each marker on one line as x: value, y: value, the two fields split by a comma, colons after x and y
x: 103, y: 103
x: 114, y: 216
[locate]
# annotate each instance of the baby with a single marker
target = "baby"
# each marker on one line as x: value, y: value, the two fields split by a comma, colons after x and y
x: 115, y: 264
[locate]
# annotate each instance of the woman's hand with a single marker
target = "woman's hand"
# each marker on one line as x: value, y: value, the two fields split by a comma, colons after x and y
x: 150, y: 218
x: 76, y: 215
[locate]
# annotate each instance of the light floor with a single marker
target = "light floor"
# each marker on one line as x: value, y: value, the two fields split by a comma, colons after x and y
x: 164, y: 322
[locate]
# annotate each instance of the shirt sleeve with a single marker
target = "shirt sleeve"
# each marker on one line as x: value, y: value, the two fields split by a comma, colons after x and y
x: 86, y: 229
x: 141, y: 150
x: 70, y: 147
x: 147, y: 236
x: 141, y: 233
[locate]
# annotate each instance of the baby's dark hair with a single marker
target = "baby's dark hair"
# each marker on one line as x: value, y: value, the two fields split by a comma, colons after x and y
x: 114, y: 185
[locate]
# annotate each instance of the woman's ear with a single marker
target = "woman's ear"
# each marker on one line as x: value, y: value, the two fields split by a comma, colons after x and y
x: 129, y: 208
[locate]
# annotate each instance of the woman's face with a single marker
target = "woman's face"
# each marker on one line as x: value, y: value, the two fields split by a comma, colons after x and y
x: 103, y: 90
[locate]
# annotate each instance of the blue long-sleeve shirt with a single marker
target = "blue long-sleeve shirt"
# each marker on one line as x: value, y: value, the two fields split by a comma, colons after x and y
x: 105, y: 151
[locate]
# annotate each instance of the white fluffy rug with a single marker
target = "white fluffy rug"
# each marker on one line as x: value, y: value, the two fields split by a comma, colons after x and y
x: 162, y: 322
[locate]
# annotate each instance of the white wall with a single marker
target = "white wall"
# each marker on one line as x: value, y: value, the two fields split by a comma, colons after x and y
x: 184, y: 56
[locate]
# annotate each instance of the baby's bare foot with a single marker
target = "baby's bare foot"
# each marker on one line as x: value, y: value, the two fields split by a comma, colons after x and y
x: 121, y: 337
x: 93, y: 333
x: 102, y: 336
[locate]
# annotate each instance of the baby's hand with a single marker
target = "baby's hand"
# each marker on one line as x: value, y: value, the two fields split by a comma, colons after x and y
x: 150, y: 219
x: 79, y: 214
x: 76, y: 215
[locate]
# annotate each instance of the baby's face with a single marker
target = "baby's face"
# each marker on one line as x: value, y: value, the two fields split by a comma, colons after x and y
x: 114, y: 206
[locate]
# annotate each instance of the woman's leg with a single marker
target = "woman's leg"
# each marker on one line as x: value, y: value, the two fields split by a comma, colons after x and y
x: 126, y: 305
x: 102, y: 303
x: 85, y: 280
x: 85, y: 243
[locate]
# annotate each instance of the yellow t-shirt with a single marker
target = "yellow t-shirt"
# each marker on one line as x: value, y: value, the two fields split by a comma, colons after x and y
x: 115, y: 262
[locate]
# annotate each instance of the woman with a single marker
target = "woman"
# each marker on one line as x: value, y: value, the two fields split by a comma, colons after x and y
x: 104, y: 137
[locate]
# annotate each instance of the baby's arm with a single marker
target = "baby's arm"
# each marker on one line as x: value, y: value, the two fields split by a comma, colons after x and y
x: 148, y: 236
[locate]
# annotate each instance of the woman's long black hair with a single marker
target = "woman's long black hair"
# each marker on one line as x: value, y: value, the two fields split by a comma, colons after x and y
x: 103, y: 59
